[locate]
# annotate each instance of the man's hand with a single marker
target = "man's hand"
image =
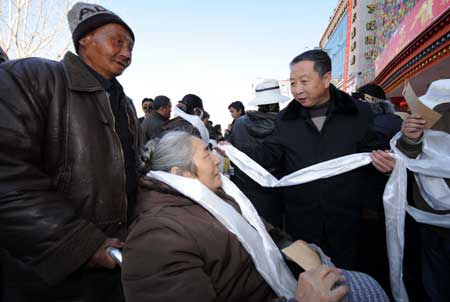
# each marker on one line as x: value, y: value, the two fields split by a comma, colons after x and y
x: 383, y: 161
x: 412, y: 127
x: 101, y: 258
x: 316, y: 285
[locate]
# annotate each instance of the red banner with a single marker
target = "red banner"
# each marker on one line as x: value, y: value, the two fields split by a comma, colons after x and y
x: 418, y: 19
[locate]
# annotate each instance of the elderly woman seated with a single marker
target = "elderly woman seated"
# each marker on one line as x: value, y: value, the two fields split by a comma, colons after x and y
x: 179, y: 248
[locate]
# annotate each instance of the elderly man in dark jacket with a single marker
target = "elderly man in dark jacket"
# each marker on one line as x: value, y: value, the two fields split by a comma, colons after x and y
x: 68, y: 148
x: 320, y: 124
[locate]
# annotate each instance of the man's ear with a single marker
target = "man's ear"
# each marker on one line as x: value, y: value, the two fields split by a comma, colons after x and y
x: 327, y: 79
x: 85, y: 40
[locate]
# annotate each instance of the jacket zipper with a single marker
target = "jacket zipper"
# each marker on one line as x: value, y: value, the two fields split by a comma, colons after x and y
x: 121, y: 151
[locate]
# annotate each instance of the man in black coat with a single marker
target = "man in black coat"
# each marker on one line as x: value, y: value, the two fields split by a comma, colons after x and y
x: 147, y: 107
x: 320, y: 124
x: 151, y: 126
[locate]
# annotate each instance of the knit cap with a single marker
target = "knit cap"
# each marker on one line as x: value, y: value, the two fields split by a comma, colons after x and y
x: 85, y: 17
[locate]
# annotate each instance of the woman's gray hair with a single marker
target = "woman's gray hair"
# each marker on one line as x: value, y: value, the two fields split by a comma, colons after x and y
x: 174, y: 149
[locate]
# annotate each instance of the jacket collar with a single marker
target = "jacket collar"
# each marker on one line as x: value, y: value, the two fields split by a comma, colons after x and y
x: 158, y: 116
x: 156, y: 194
x: 340, y: 103
x: 79, y: 77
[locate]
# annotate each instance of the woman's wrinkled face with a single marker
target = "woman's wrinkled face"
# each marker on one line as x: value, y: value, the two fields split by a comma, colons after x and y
x: 207, y: 165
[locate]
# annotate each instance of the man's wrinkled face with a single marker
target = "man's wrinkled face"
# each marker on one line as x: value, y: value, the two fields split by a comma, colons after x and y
x: 107, y: 50
x: 307, y: 86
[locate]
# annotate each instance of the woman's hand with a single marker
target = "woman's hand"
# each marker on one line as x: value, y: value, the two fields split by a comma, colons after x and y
x: 318, y: 285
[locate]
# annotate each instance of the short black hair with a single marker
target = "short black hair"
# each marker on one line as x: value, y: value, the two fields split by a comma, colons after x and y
x: 192, y: 101
x: 160, y: 101
x: 146, y: 100
x: 322, y: 61
x: 373, y: 90
x: 238, y: 106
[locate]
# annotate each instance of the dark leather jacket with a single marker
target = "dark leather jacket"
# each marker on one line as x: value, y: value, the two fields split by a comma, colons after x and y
x: 62, y: 176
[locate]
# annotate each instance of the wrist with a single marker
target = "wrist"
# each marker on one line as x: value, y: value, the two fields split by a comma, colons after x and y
x: 412, y: 141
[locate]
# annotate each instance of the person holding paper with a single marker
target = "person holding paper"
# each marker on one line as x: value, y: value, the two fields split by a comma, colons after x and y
x: 181, y: 248
x: 435, y: 259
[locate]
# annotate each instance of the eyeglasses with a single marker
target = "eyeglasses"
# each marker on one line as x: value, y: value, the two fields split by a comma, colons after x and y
x: 147, y: 108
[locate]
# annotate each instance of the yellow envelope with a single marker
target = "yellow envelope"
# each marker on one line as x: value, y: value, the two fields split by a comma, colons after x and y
x: 417, y: 107
x: 303, y: 255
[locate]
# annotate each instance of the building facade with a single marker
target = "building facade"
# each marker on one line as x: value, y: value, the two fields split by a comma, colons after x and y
x: 389, y: 42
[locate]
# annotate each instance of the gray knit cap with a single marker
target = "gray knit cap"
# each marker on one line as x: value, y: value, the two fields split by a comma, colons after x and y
x: 85, y: 17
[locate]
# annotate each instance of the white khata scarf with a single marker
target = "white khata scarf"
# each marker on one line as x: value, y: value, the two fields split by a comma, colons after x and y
x: 429, y: 170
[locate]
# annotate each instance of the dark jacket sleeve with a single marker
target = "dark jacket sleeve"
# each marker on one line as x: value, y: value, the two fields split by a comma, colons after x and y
x: 270, y: 152
x: 374, y: 139
x: 162, y: 263
x: 240, y: 138
x: 409, y: 149
x: 147, y: 129
x: 37, y: 224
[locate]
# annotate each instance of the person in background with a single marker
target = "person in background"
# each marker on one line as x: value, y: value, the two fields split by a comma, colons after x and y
x: 194, y: 106
x: 236, y: 109
x: 147, y: 107
x: 250, y: 130
x: 386, y: 122
x: 151, y: 126
x: 182, y: 106
x: 217, y: 130
x: 192, y: 101
x: 205, y: 119
x: 69, y: 139
x: 372, y: 235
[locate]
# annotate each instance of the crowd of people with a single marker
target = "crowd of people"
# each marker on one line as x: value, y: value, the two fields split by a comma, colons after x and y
x: 81, y: 174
